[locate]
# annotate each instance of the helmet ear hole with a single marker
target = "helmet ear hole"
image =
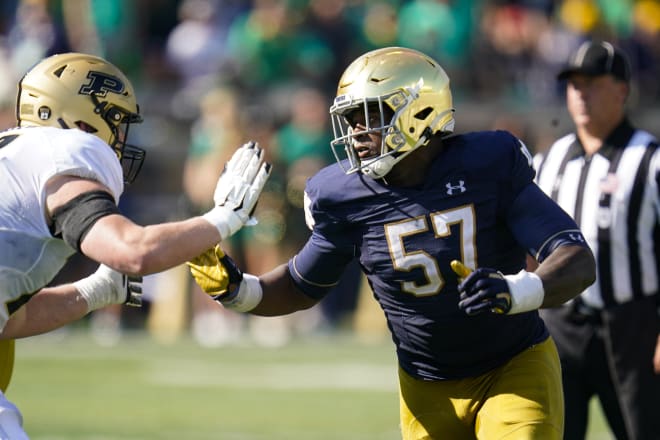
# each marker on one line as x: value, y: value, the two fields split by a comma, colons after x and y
x: 113, y: 116
x: 423, y: 114
x: 84, y: 126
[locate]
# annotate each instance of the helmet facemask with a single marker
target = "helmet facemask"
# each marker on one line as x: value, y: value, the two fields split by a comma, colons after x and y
x: 119, y: 122
x: 380, y: 117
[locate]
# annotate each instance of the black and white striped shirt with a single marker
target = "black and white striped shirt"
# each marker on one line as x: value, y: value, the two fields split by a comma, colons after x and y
x: 613, y: 196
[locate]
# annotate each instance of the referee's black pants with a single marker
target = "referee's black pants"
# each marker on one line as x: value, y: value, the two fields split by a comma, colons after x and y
x: 609, y: 354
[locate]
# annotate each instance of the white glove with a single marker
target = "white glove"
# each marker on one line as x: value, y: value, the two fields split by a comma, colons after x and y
x: 107, y: 286
x: 238, y: 190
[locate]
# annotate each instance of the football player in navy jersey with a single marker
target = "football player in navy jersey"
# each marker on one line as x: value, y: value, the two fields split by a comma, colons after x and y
x: 441, y: 224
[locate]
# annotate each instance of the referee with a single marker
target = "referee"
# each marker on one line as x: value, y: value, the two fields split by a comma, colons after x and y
x: 606, y: 175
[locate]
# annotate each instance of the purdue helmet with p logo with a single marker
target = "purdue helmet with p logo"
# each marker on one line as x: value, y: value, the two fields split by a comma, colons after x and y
x: 410, y: 93
x: 75, y: 90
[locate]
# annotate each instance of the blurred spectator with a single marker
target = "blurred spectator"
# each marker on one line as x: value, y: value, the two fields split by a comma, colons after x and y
x: 377, y: 24
x: 643, y: 45
x: 270, y: 50
x: 33, y: 34
x: 214, y: 136
x: 437, y: 26
x: 196, y: 48
x: 328, y: 21
x: 513, y: 65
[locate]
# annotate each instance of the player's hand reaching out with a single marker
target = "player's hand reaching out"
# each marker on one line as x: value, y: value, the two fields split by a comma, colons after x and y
x: 211, y: 275
x: 217, y: 274
x: 238, y: 190
x: 488, y: 290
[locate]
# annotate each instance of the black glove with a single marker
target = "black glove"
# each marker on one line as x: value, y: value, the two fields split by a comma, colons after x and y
x: 484, y: 290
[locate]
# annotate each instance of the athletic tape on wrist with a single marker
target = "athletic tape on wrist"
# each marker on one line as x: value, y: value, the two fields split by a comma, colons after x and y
x: 526, y: 289
x: 96, y: 290
x: 248, y: 297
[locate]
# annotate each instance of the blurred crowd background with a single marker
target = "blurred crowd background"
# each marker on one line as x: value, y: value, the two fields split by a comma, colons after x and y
x: 211, y: 74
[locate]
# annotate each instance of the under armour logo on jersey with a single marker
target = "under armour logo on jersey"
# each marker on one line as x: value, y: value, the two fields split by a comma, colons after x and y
x: 578, y: 238
x: 451, y: 189
x: 101, y: 83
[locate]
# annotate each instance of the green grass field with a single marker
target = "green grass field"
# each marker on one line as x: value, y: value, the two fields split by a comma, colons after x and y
x: 333, y: 387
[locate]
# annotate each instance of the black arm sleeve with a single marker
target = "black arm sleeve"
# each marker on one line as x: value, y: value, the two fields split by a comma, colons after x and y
x: 73, y: 220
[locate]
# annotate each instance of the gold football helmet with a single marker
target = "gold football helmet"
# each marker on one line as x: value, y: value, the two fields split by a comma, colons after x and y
x: 75, y: 90
x: 404, y: 83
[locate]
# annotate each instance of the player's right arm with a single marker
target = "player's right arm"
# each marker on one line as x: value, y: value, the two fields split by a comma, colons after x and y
x: 272, y: 294
x: 299, y: 284
x: 282, y: 296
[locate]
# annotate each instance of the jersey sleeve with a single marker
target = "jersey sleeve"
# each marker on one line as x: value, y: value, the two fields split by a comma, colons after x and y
x: 84, y: 155
x: 522, y: 167
x: 320, y: 264
x: 540, y: 225
x: 536, y: 221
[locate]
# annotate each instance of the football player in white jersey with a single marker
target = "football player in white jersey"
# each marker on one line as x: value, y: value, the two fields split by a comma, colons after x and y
x: 63, y: 170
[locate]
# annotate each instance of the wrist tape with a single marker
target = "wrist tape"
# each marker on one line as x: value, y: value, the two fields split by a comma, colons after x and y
x: 97, y: 291
x: 247, y: 296
x: 526, y: 289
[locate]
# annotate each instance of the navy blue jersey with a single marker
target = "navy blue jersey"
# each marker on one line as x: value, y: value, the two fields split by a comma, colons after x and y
x: 478, y: 204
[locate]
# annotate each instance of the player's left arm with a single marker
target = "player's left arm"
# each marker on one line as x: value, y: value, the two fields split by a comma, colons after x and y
x: 297, y: 285
x: 53, y: 307
x: 565, y: 273
x: 566, y: 264
x: 48, y: 309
